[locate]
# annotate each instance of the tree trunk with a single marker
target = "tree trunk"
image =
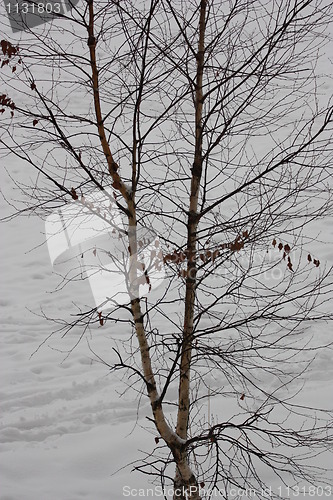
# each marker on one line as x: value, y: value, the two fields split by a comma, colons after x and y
x: 185, y: 482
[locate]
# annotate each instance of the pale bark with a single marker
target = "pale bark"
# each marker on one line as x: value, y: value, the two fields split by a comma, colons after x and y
x: 184, y: 477
x: 173, y: 440
x: 185, y: 481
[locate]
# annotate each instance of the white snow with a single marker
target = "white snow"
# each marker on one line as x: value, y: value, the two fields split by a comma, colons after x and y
x: 64, y: 430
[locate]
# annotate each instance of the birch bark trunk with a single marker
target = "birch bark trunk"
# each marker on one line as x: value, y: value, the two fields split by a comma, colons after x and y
x: 174, y: 441
x: 185, y: 480
x: 185, y: 483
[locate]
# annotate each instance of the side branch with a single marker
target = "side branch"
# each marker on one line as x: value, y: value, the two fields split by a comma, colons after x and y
x: 113, y: 167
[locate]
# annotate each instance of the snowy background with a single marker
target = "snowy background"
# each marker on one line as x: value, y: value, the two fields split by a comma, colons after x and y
x: 64, y: 430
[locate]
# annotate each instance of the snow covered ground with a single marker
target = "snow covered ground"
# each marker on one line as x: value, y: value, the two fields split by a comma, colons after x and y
x: 64, y: 430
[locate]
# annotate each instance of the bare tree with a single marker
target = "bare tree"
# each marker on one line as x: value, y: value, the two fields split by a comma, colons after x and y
x: 202, y: 123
